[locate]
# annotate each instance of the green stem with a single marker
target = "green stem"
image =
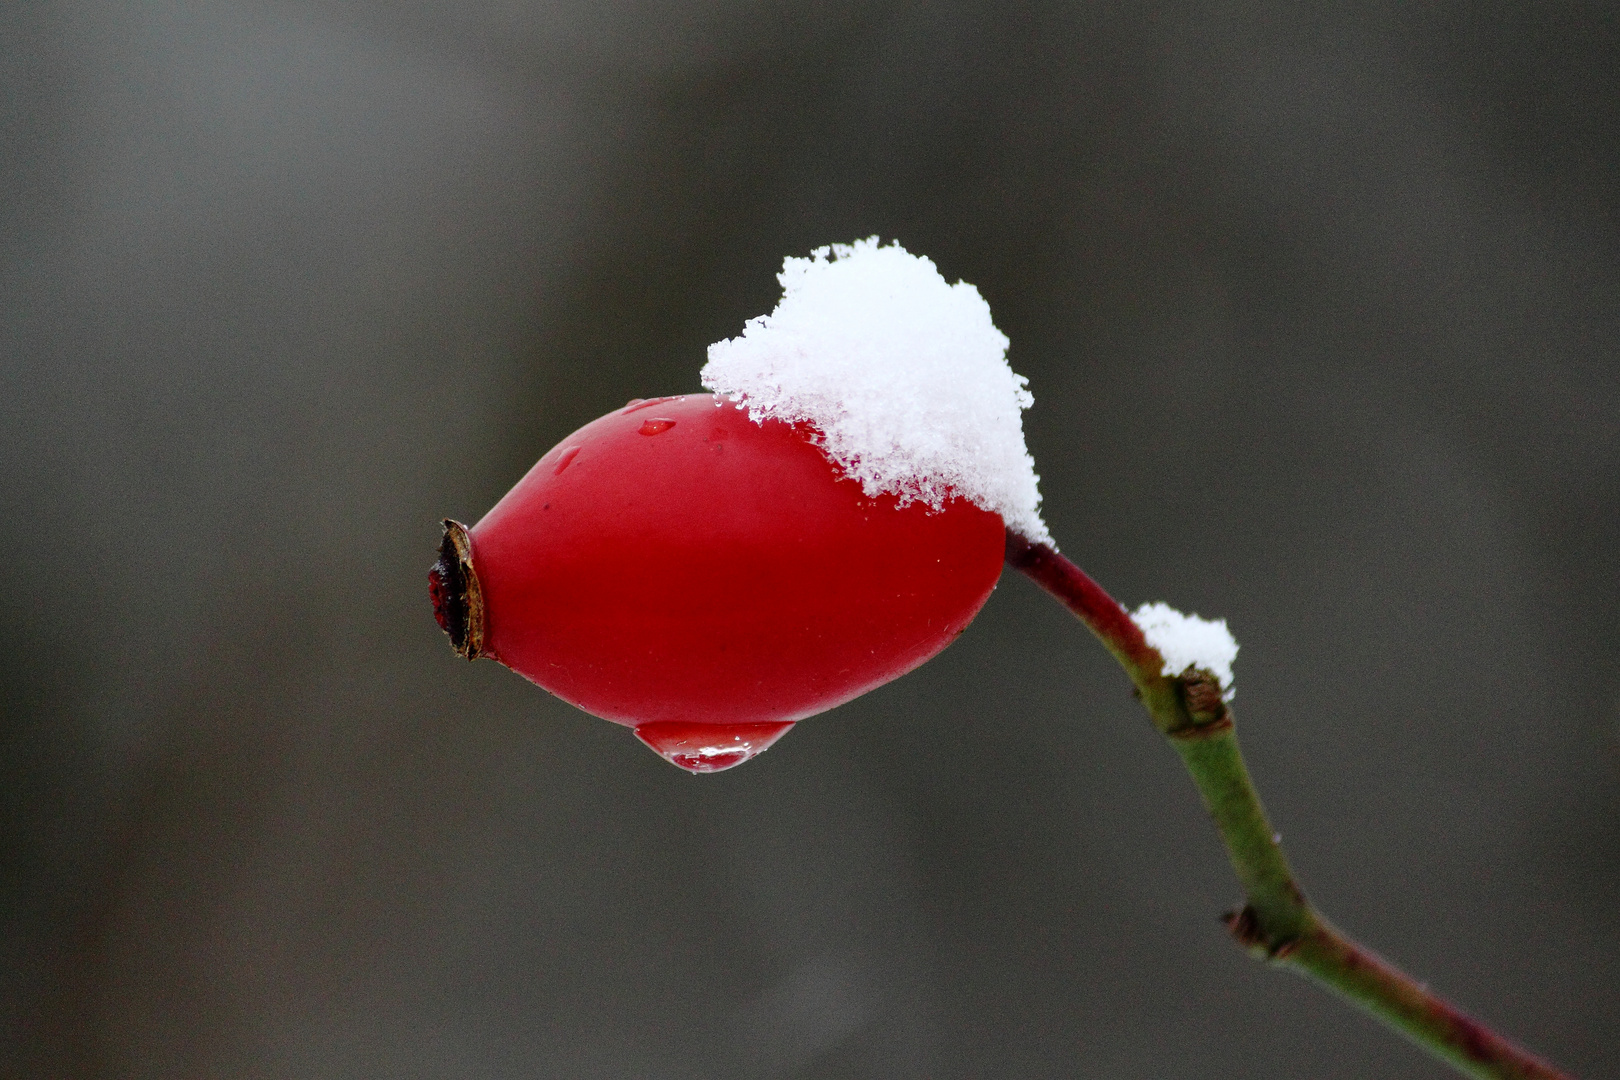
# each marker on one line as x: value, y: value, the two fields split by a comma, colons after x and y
x: 1278, y: 923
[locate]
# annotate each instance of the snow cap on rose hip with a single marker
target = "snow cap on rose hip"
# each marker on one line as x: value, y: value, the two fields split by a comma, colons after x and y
x: 709, y: 570
x: 904, y: 376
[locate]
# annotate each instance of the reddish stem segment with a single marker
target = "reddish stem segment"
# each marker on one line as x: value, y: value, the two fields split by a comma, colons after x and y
x: 1277, y: 923
x: 1076, y: 591
x: 1392, y: 996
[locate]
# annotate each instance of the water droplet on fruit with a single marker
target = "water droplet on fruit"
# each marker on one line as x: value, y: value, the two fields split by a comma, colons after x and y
x: 637, y: 404
x: 708, y: 748
x: 657, y: 426
x: 567, y: 459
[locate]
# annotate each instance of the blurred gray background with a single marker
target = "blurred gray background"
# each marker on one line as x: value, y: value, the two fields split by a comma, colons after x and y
x: 1321, y: 308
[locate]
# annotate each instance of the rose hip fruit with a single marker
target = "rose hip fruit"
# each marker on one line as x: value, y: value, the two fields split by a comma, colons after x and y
x: 707, y: 579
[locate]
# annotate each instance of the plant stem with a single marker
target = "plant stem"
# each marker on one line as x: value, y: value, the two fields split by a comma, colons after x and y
x: 1277, y: 924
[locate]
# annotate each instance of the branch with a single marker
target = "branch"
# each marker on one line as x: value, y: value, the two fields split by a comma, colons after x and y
x: 1278, y: 923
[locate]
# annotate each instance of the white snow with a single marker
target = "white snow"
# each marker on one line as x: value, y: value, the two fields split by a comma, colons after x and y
x: 1187, y: 640
x: 904, y: 375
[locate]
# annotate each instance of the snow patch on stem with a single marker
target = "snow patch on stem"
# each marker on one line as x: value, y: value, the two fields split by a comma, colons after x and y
x: 1189, y: 641
x: 904, y: 376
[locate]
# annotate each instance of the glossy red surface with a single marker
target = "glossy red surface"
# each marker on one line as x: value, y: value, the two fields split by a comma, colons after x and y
x: 677, y: 562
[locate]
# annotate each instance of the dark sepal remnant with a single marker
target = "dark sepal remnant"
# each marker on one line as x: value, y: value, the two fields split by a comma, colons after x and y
x: 458, y: 603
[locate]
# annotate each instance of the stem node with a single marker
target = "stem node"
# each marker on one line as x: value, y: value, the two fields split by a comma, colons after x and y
x: 1244, y: 924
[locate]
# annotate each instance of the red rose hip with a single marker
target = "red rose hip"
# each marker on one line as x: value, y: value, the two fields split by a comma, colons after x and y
x: 707, y: 579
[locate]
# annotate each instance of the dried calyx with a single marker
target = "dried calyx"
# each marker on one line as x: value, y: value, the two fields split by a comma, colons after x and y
x: 458, y: 603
